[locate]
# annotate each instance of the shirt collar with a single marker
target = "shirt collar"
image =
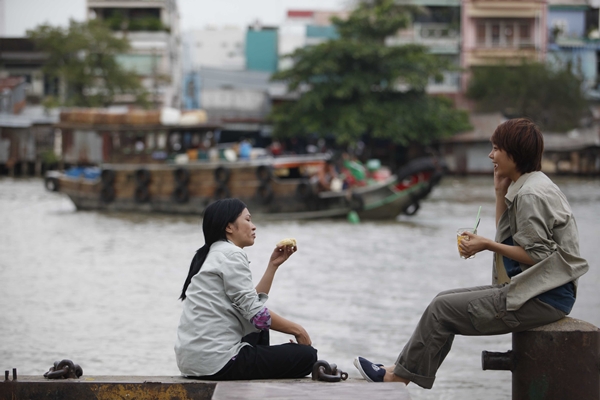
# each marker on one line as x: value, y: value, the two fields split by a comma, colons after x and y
x: 514, y: 187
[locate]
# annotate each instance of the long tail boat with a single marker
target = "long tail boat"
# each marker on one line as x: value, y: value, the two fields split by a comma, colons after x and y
x: 275, y: 188
x: 135, y: 179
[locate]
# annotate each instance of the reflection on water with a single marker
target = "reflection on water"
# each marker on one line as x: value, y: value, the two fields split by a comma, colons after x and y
x: 101, y: 289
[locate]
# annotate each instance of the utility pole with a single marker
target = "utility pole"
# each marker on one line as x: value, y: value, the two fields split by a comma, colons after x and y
x: 155, y: 77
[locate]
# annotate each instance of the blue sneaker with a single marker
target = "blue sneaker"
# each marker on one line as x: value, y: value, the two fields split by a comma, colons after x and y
x: 370, y: 371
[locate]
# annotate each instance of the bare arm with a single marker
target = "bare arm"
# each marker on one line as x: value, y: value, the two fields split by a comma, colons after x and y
x: 280, y: 324
x: 264, y: 286
x: 477, y: 243
x: 278, y: 257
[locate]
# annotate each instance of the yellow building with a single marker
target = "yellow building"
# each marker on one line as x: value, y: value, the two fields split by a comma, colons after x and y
x: 502, y: 32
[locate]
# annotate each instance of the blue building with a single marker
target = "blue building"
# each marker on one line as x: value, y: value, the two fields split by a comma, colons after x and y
x: 573, y: 38
x: 191, y: 91
x: 261, y: 49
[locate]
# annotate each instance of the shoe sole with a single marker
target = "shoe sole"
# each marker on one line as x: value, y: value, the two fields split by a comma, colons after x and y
x: 362, y: 372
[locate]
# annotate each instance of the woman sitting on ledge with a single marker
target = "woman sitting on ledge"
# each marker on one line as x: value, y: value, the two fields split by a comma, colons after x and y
x: 536, y: 264
x: 223, y: 332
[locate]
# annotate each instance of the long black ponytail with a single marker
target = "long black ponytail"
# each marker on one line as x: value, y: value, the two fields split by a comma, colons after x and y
x: 216, y: 218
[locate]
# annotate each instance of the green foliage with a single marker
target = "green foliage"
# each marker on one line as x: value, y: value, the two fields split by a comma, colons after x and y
x: 357, y: 85
x: 49, y: 158
x: 83, y: 57
x: 118, y: 20
x: 147, y: 23
x: 551, y: 96
x: 50, y: 102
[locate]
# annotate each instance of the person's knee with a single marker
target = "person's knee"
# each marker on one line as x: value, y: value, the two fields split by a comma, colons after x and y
x: 443, y: 293
x: 438, y: 304
x: 310, y: 353
x: 306, y: 358
x: 307, y: 355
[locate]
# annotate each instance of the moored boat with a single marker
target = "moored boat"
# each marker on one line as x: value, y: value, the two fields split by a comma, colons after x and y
x: 273, y: 187
x: 147, y: 162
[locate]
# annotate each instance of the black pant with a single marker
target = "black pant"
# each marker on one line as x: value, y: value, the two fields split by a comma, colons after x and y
x: 261, y: 361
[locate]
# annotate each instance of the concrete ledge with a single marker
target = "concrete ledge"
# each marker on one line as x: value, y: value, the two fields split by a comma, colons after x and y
x: 106, y: 388
x: 567, y: 324
x: 351, y: 389
x: 175, y: 387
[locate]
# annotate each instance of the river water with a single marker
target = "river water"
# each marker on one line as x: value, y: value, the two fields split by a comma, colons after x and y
x: 101, y: 289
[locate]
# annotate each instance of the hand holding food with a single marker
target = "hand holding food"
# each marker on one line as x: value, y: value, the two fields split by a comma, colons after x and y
x: 287, y: 242
x: 283, y: 250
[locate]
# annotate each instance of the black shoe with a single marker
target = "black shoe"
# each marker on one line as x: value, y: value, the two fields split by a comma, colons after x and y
x: 370, y: 371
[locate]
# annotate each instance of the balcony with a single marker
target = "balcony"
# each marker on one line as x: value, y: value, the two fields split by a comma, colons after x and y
x: 438, y: 37
x: 504, y: 9
x: 450, y: 83
x: 496, y: 55
x: 127, y: 3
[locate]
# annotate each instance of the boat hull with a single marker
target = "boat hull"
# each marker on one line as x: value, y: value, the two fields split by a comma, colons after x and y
x: 273, y: 190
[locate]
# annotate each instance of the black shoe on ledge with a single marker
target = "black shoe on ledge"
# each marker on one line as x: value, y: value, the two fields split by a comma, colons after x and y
x: 370, y: 371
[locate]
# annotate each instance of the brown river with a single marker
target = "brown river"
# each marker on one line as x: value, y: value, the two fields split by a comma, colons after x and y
x: 101, y: 289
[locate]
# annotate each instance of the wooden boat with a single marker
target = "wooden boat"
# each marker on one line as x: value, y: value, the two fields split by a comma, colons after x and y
x: 273, y: 187
x: 147, y: 165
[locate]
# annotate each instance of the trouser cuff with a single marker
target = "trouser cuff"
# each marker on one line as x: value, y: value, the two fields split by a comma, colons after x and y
x: 425, y: 382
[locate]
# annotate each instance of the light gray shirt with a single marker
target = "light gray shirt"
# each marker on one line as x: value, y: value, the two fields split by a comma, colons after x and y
x: 540, y: 220
x: 220, y: 302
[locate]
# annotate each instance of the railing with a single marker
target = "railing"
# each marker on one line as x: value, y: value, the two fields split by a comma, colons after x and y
x: 434, y: 35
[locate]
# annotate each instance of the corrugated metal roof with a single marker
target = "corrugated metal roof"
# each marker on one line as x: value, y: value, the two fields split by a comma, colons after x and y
x: 11, y: 82
x: 576, y: 139
x: 484, y: 126
x: 32, y: 115
x: 219, y: 78
x: 576, y: 3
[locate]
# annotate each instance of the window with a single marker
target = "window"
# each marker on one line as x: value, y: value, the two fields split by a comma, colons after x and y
x: 495, y: 34
x: 116, y: 140
x: 150, y: 140
x: 161, y: 140
x: 139, y: 144
x: 509, y: 35
x: 175, y: 141
x: 480, y: 33
x: 504, y: 33
x: 525, y: 33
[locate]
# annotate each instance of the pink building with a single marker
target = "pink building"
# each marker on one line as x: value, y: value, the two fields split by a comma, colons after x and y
x: 502, y: 31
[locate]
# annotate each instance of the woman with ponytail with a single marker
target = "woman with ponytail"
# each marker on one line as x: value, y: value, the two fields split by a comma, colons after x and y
x: 223, y: 332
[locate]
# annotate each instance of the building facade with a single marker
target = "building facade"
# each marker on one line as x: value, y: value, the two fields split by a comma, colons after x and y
x: 214, y: 48
x: 20, y: 58
x: 437, y: 27
x: 496, y: 32
x: 305, y: 28
x: 574, y: 39
x: 261, y: 48
x: 152, y: 27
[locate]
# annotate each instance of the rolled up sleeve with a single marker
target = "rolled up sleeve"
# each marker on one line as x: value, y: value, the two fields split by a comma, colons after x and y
x: 535, y: 222
x: 239, y: 287
x: 262, y: 320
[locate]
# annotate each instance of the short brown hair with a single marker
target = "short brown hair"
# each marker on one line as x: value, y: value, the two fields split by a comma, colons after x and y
x: 522, y: 140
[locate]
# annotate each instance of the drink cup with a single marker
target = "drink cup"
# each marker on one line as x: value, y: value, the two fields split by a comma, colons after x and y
x: 460, y: 237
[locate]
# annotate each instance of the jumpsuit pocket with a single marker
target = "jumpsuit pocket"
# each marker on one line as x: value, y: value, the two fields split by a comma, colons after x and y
x: 488, y: 314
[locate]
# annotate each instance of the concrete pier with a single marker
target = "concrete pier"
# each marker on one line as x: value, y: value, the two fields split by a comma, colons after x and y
x: 557, y: 361
x: 175, y: 387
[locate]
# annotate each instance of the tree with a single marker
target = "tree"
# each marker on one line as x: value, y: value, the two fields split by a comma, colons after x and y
x: 550, y: 95
x: 83, y: 57
x: 356, y: 84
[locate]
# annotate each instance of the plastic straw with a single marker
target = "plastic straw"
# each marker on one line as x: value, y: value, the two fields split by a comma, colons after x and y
x: 477, y: 221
